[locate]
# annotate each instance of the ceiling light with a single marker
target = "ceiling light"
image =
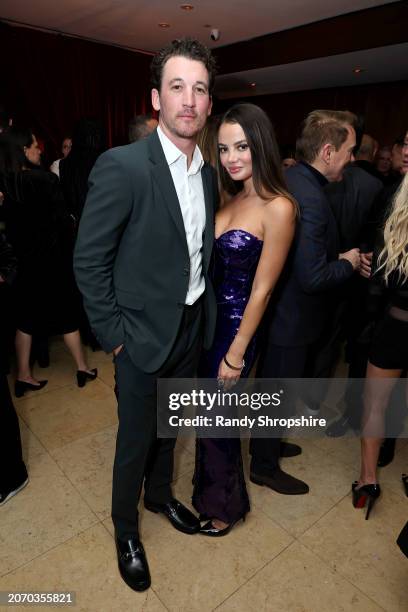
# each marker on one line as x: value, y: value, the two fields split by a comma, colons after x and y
x: 252, y: 84
x: 357, y: 70
x: 164, y: 25
x: 186, y: 7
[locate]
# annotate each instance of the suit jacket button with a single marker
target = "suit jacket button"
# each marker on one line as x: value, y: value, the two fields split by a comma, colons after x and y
x: 186, y: 271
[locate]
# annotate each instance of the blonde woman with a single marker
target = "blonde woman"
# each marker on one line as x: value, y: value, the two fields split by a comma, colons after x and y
x: 388, y: 356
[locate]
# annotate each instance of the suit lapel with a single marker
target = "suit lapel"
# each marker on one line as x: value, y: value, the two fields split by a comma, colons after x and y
x: 208, y: 238
x: 164, y: 181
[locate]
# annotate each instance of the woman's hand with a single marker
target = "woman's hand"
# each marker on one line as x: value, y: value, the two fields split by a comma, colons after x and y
x: 229, y: 372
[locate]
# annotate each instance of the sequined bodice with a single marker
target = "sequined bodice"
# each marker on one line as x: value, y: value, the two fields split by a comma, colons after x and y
x: 235, y: 259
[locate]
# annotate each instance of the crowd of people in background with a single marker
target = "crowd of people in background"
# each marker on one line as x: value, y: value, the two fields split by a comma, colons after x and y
x: 340, y: 203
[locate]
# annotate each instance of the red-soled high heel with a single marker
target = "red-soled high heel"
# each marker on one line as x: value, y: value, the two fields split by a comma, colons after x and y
x: 366, y: 494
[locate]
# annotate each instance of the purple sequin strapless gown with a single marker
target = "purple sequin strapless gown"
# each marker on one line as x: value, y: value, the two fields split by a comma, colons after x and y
x: 219, y: 483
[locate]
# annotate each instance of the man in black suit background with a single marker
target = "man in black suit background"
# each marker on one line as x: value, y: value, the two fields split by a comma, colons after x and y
x: 351, y: 201
x: 141, y: 262
x: 304, y: 298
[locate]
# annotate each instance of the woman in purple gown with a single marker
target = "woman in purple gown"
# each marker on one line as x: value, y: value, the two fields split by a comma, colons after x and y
x: 254, y: 230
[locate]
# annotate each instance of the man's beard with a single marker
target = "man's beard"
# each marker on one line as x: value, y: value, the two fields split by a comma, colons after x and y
x: 188, y: 131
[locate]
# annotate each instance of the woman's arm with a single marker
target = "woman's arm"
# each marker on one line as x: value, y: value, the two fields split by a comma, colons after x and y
x: 279, y: 224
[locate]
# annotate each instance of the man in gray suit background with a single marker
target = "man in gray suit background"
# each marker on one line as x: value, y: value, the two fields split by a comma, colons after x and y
x: 141, y: 263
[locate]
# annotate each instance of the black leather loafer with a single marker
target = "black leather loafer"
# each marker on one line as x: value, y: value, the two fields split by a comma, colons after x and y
x: 6, y: 494
x: 287, y: 449
x: 179, y: 516
x: 132, y: 564
x: 281, y: 482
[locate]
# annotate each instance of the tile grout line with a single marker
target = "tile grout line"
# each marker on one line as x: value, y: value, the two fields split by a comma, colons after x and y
x: 152, y: 588
x: 45, y: 552
x: 93, y: 433
x: 253, y: 575
x: 47, y: 452
x: 296, y: 537
x: 337, y: 571
x: 20, y: 400
x: 76, y: 489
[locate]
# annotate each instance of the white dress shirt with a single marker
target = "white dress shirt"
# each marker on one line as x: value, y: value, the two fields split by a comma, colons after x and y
x: 190, y: 193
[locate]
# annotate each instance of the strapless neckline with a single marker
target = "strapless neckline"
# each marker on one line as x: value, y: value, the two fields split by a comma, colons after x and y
x: 230, y: 231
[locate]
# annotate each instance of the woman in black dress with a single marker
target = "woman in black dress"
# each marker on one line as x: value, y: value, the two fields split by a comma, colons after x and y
x: 388, y: 356
x: 88, y: 142
x: 40, y: 231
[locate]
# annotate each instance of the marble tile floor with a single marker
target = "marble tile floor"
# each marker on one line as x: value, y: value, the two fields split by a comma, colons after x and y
x: 293, y: 554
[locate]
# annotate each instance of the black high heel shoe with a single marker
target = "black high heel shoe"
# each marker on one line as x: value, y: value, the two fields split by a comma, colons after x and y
x: 367, y: 494
x: 83, y: 376
x: 20, y: 387
x: 209, y: 530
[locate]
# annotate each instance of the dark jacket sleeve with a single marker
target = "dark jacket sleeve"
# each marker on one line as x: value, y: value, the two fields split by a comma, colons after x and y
x: 8, y: 261
x: 377, y: 289
x: 315, y: 273
x: 107, y: 209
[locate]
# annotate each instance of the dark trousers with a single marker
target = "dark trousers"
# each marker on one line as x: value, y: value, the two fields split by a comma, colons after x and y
x: 140, y: 455
x: 12, y: 469
x: 324, y: 355
x: 276, y: 362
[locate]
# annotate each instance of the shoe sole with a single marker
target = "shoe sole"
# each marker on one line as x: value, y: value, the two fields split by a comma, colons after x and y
x: 12, y: 493
x: 261, y: 483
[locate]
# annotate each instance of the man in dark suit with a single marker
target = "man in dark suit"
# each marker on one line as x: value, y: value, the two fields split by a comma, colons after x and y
x: 141, y: 262
x: 351, y: 200
x: 303, y: 300
x: 366, y: 154
x: 141, y: 126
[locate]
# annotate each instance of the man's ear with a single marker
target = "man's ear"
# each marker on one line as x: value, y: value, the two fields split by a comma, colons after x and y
x: 155, y: 99
x: 326, y: 153
x: 210, y: 107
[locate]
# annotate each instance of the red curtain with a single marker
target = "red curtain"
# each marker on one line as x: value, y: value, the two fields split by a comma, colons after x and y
x: 49, y: 81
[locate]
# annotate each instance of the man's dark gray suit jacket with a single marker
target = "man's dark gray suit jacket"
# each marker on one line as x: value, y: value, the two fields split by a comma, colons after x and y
x: 131, y: 259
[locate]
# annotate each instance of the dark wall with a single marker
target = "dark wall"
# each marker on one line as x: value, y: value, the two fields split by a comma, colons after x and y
x: 49, y: 81
x: 384, y: 106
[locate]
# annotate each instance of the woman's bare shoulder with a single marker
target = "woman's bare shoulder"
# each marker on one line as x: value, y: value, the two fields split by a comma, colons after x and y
x: 280, y: 207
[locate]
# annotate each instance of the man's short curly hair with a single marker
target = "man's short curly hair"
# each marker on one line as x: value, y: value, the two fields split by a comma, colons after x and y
x: 185, y: 47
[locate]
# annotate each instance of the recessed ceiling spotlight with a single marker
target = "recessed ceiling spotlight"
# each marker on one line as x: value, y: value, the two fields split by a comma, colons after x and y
x: 252, y: 84
x: 186, y: 7
x: 164, y: 25
x: 357, y: 70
